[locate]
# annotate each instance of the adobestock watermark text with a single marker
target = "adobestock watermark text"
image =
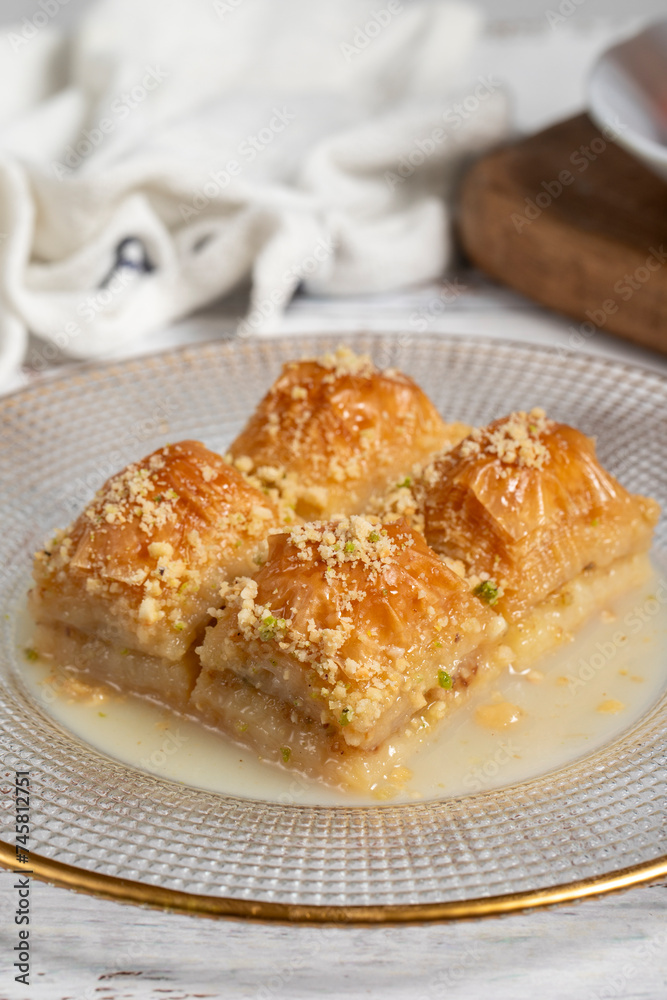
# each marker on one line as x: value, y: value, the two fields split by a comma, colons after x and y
x: 453, y: 118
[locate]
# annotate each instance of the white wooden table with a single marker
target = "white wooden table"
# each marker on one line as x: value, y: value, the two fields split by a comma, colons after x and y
x: 615, y: 946
x: 85, y: 948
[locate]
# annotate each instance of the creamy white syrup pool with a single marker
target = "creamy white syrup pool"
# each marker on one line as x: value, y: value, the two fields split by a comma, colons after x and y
x: 517, y: 727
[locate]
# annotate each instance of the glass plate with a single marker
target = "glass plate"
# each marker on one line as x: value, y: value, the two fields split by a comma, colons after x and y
x: 104, y: 827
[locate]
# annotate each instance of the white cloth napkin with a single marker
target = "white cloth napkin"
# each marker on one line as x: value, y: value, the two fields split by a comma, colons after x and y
x: 168, y: 152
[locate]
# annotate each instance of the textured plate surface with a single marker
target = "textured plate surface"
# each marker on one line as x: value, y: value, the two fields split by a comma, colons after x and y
x: 62, y: 439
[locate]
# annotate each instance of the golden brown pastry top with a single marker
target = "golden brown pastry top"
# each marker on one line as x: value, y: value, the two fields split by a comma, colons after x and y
x: 157, y: 537
x: 525, y: 502
x: 335, y: 431
x: 366, y: 609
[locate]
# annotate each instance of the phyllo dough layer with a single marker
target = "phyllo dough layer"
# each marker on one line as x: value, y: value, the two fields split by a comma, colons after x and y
x: 78, y: 656
x: 140, y: 567
x: 526, y: 506
x: 331, y: 433
x: 354, y: 625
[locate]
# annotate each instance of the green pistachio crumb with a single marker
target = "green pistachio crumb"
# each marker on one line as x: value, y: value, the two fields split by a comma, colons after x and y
x: 487, y: 591
x: 270, y: 626
x: 346, y: 717
x: 373, y: 537
x: 30, y: 654
x: 405, y: 484
x: 444, y: 680
x: 350, y: 547
x: 285, y: 753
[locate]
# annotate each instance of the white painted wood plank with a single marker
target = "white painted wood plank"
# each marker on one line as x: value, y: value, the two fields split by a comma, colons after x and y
x: 615, y: 946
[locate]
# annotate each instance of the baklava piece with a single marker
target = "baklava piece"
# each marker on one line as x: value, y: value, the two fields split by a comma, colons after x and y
x: 353, y: 637
x: 330, y: 434
x: 124, y: 594
x: 527, y: 511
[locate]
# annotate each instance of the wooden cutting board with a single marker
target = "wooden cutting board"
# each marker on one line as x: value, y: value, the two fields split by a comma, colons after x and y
x: 571, y: 220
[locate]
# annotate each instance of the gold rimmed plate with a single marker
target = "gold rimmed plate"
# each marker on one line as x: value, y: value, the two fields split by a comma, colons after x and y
x: 104, y: 827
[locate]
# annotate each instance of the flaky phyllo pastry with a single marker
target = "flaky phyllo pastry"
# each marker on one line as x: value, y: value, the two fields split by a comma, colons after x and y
x: 332, y: 433
x: 124, y: 593
x: 350, y: 573
x: 349, y: 629
x: 526, y: 506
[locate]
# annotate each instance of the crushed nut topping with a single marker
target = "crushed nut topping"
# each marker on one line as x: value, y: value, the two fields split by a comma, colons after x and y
x: 338, y: 585
x: 343, y: 361
x: 516, y: 440
x: 155, y: 550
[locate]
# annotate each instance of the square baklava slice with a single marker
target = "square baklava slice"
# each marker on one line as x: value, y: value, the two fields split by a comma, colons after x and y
x: 525, y: 508
x: 124, y: 593
x: 350, y: 632
x: 334, y: 432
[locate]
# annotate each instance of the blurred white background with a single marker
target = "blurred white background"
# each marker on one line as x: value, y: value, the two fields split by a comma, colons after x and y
x: 539, y: 53
x: 497, y: 10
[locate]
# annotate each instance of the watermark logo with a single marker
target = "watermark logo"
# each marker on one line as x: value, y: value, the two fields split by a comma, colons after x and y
x: 605, y: 652
x: 449, y: 292
x: 453, y: 118
x: 171, y: 745
x: 31, y: 26
x: 80, y: 491
x: 248, y: 151
x: 267, y: 307
x: 121, y: 108
x: 623, y: 289
x: 366, y: 33
x: 565, y: 9
x: 581, y: 159
x: 224, y: 7
x: 478, y: 777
